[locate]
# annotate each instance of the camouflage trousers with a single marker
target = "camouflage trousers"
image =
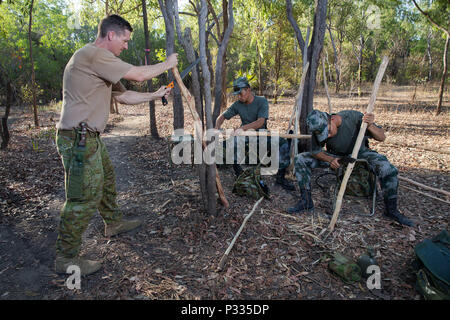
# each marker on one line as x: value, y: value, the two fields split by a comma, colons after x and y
x: 252, y: 150
x: 385, y: 171
x: 89, y: 187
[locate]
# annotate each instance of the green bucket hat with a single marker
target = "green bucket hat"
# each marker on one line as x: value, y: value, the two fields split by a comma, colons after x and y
x: 317, y: 122
x: 239, y: 84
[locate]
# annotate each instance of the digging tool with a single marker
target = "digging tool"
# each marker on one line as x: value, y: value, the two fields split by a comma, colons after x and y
x: 183, y: 74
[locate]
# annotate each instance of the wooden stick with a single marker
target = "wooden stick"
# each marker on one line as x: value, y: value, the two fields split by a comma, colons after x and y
x: 358, y: 142
x: 198, y: 128
x: 252, y: 133
x: 227, y: 252
x: 297, y: 112
x: 446, y: 193
x: 425, y: 194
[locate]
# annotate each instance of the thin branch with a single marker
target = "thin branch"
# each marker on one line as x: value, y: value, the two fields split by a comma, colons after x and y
x: 427, y: 15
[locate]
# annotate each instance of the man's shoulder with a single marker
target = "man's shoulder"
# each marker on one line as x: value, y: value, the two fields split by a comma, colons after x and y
x: 350, y: 114
x: 261, y: 99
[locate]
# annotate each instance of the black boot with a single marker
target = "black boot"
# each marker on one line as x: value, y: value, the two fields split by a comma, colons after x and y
x: 390, y: 211
x: 305, y: 203
x: 282, y: 181
x: 237, y: 169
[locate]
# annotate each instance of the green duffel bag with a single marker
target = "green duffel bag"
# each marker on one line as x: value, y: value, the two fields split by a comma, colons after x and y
x: 345, y: 268
x: 249, y: 183
x: 432, y: 266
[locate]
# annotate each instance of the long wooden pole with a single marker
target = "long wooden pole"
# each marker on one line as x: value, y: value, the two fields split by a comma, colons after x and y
x: 358, y: 142
x: 198, y: 128
x: 297, y: 112
x: 271, y: 134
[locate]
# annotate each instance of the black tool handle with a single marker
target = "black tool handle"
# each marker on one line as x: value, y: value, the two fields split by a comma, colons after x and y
x: 164, y: 101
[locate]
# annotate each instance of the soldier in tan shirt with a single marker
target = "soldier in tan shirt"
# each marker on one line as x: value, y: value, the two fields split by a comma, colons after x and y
x: 89, y: 80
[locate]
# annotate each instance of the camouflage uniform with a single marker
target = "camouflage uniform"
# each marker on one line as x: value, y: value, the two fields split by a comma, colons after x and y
x: 386, y: 172
x: 284, y: 147
x: 87, y: 190
x: 304, y: 162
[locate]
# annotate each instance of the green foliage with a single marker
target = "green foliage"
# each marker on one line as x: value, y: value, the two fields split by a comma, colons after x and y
x: 262, y: 47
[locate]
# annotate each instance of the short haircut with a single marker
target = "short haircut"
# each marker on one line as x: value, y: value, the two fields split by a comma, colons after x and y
x: 114, y: 23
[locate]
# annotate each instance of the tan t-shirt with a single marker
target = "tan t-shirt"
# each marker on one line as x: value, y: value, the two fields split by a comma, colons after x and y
x: 87, y: 84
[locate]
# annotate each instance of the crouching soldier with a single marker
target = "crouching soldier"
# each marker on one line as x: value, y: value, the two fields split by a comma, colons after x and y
x: 254, y: 112
x: 339, y: 132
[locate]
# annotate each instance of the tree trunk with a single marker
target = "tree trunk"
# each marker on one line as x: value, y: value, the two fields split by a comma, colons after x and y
x: 430, y: 60
x: 167, y: 9
x: 152, y: 115
x: 186, y: 41
x: 336, y: 63
x: 4, y: 132
x: 313, y: 55
x: 278, y: 54
x: 33, y: 76
x: 210, y: 172
x: 260, y: 89
x: 220, y: 83
x: 444, y: 75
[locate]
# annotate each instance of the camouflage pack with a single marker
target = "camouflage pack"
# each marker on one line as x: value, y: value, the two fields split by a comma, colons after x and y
x: 361, y: 182
x: 249, y: 183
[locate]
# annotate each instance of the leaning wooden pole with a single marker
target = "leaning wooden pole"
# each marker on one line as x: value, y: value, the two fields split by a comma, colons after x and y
x: 296, y: 113
x: 358, y: 142
x: 198, y: 129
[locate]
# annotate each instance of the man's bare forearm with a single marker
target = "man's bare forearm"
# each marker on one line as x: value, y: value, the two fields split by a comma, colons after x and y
x: 255, y: 125
x: 134, y: 97
x: 322, y: 156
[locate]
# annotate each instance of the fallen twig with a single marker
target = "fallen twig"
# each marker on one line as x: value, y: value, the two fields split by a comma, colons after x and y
x: 425, y: 194
x: 225, y: 256
x: 446, y: 193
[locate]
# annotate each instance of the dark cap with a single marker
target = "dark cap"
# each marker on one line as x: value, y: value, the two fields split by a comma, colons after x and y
x: 239, y: 84
x: 317, y: 122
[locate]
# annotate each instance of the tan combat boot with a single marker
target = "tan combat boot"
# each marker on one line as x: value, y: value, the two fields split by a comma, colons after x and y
x: 122, y: 226
x: 86, y: 266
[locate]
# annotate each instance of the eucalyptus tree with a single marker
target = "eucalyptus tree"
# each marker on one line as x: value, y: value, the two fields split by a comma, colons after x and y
x: 439, y: 16
x: 311, y: 49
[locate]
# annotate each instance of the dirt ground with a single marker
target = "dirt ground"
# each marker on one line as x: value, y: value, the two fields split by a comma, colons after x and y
x: 175, y: 254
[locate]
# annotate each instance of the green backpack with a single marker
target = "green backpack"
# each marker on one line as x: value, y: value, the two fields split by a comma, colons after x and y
x: 249, y: 183
x: 361, y: 182
x: 432, y: 267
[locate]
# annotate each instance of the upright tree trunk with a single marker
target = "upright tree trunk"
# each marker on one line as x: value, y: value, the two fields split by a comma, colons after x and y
x: 167, y: 9
x: 4, y: 132
x: 152, y: 115
x: 33, y: 76
x: 444, y: 76
x: 313, y: 55
x: 278, y: 54
x: 220, y: 83
x: 430, y: 60
x: 260, y: 85
x: 210, y: 175
x: 186, y: 41
x: 336, y: 62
